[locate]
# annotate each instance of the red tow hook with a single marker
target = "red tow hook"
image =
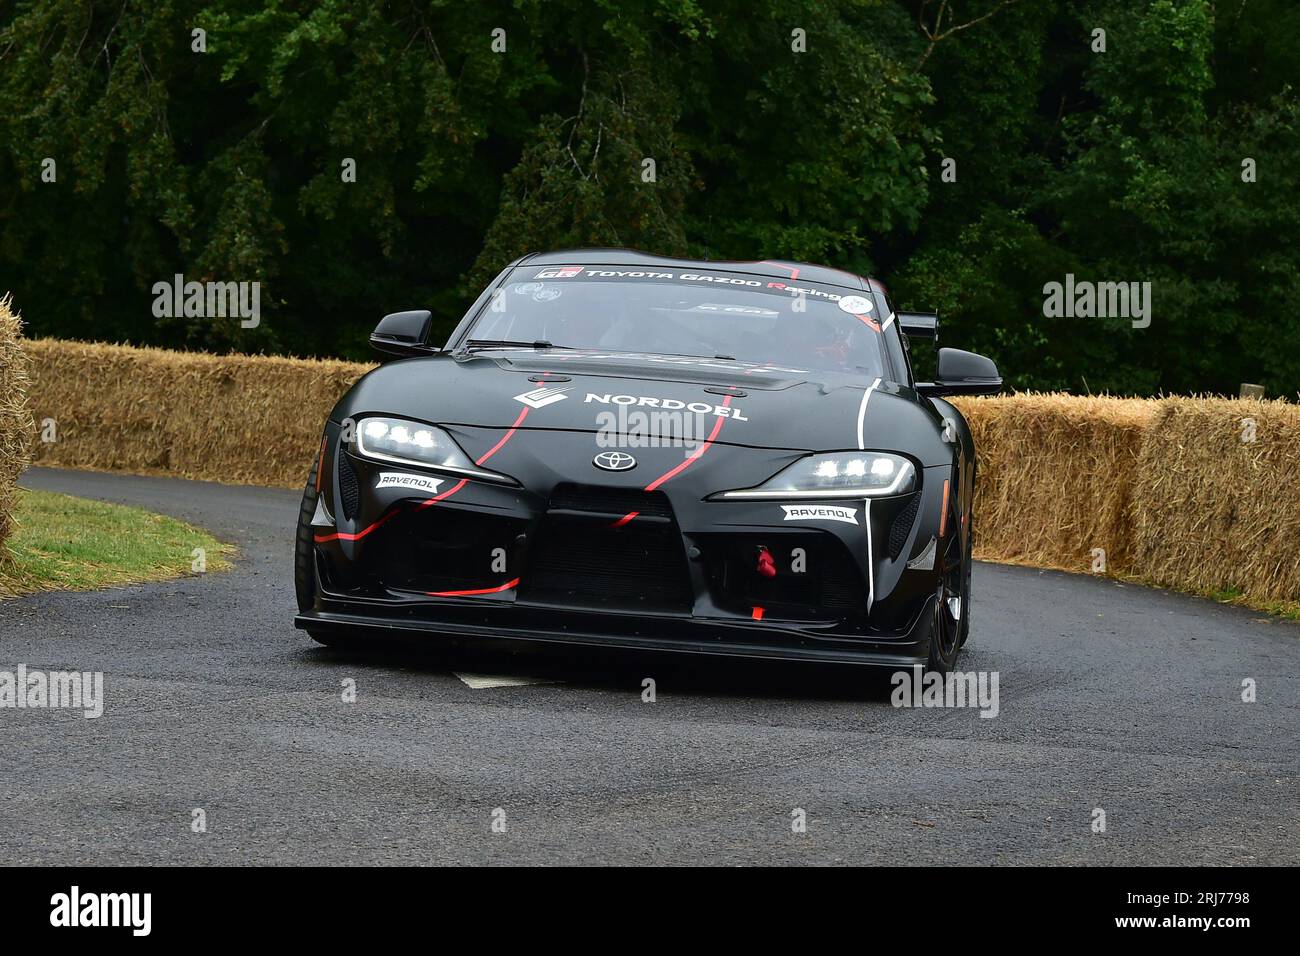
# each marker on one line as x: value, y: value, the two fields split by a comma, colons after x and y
x: 766, y: 563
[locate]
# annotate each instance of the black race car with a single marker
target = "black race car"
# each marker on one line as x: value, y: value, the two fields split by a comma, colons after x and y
x: 622, y: 450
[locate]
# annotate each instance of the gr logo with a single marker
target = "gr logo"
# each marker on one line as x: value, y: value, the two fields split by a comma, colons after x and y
x: 563, y: 272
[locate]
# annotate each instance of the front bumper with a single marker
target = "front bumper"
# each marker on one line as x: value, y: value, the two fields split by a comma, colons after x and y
x: 504, y: 626
x: 611, y: 565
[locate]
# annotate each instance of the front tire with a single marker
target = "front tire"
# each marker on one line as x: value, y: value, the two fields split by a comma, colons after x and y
x: 966, y: 596
x: 950, y: 620
x: 304, y: 564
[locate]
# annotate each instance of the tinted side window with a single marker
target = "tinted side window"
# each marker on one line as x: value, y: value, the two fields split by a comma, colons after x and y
x: 896, y: 344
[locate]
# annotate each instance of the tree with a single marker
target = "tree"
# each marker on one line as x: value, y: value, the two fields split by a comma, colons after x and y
x: 360, y: 158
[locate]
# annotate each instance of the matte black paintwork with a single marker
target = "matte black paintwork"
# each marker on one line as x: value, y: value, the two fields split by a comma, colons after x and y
x: 806, y: 411
x: 769, y: 418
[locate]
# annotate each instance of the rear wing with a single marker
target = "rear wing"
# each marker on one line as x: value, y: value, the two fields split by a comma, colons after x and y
x: 920, y: 324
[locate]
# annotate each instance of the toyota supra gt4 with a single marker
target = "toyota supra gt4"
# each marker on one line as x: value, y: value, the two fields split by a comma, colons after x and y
x: 621, y: 450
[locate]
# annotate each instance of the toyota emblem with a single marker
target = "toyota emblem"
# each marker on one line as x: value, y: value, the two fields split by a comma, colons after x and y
x: 614, y: 461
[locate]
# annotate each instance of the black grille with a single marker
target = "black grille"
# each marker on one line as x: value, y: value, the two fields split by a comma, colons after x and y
x: 902, y: 526
x: 581, y: 557
x: 815, y: 578
x: 436, y: 550
x: 349, y: 490
x: 616, y: 502
x: 841, y: 587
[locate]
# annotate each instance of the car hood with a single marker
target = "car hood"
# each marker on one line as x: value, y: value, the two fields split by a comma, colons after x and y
x: 732, y: 403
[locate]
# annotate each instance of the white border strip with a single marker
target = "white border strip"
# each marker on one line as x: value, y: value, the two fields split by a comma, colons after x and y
x: 871, y: 569
x: 862, y: 410
x: 866, y: 502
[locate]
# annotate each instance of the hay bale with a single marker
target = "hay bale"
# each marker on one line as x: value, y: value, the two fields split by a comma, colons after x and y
x: 1168, y: 489
x: 232, y: 418
x: 1055, y: 477
x: 1215, y: 510
x: 15, y: 417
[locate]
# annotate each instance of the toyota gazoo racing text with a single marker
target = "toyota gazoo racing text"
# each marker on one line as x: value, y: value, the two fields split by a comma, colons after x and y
x: 620, y: 450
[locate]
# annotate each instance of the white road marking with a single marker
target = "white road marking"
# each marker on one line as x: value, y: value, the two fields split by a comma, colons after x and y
x: 488, y: 681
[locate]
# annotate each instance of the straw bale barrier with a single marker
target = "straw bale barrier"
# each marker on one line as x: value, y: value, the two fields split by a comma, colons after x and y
x: 1055, y: 477
x: 1219, y: 508
x: 234, y: 418
x: 15, y: 418
x: 1170, y: 489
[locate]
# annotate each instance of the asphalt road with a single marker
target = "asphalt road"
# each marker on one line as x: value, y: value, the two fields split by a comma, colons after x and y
x: 1110, y: 697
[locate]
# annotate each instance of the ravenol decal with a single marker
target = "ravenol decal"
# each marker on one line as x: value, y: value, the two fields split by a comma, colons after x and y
x: 397, y: 479
x: 541, y: 397
x: 820, y: 513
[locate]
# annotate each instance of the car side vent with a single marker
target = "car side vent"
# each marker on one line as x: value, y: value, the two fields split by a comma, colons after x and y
x: 902, y: 526
x: 349, y: 490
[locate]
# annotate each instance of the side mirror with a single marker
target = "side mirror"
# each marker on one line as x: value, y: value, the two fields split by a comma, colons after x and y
x: 963, y: 373
x: 403, y: 333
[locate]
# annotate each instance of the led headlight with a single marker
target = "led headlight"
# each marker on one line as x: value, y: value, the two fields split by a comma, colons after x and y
x: 843, y: 474
x: 414, y: 443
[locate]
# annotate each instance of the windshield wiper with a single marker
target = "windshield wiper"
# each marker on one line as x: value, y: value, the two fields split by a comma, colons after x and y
x: 509, y: 344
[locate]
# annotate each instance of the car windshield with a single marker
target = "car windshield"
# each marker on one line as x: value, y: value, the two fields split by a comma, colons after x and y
x: 734, y: 316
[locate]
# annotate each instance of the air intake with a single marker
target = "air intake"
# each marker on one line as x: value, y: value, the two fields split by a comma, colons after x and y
x: 349, y: 490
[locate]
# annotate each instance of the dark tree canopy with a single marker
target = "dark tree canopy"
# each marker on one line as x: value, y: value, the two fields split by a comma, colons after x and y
x: 813, y: 131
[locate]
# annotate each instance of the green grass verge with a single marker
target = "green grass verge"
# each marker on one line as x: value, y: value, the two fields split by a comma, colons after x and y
x: 72, y: 544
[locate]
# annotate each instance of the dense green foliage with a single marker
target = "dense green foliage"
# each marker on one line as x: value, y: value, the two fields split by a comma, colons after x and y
x: 1122, y: 165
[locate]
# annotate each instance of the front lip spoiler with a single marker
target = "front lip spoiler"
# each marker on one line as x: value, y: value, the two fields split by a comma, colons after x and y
x: 709, y: 643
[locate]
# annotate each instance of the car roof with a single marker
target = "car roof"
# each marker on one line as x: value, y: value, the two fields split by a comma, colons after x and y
x: 770, y: 268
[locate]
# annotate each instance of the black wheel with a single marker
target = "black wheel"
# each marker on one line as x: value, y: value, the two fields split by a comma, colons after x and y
x: 966, y: 588
x: 950, y: 625
x: 304, y: 564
